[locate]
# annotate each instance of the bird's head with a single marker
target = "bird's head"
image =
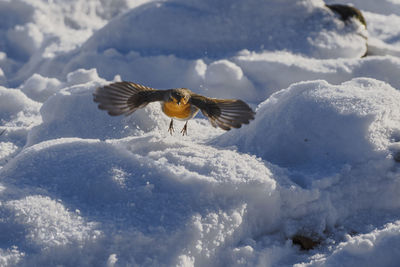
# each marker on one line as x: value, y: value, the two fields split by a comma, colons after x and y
x: 179, y: 96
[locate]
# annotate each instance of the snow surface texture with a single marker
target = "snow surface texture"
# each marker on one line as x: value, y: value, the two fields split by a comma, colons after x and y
x: 320, y: 160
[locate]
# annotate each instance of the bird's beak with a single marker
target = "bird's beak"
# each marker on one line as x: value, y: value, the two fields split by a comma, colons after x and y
x: 183, y: 101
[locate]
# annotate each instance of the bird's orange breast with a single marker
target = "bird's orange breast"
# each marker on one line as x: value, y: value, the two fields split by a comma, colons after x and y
x: 173, y: 110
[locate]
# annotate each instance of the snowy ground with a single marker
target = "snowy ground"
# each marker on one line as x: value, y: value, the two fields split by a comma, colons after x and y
x: 320, y: 160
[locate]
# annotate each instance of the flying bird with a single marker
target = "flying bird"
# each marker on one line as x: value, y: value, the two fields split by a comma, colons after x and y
x: 180, y: 103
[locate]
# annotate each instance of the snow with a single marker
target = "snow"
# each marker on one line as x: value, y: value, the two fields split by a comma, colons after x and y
x: 377, y: 248
x: 320, y: 160
x: 40, y: 88
x: 317, y: 125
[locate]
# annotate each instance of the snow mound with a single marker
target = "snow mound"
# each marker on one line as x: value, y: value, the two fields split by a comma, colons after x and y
x: 318, y: 126
x: 197, y: 28
x: 227, y: 79
x: 377, y: 248
x: 270, y: 72
x: 13, y: 102
x: 18, y: 114
x: 158, y: 71
x: 40, y: 88
x: 125, y: 190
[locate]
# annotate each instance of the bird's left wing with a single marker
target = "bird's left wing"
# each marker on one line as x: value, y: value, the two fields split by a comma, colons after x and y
x: 224, y: 113
x: 126, y: 97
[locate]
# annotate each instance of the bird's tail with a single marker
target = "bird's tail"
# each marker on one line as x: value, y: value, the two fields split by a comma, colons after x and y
x: 121, y: 97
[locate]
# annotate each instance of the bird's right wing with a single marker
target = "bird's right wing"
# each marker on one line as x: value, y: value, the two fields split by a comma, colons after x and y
x: 125, y: 97
x: 224, y: 113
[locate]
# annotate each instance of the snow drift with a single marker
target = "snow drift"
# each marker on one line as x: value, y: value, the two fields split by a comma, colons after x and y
x: 319, y: 125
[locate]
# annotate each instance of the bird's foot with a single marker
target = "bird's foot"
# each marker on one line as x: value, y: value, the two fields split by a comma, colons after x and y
x: 184, y: 130
x: 171, y: 127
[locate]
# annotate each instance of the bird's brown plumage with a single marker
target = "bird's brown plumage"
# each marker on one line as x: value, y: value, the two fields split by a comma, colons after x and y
x: 126, y: 97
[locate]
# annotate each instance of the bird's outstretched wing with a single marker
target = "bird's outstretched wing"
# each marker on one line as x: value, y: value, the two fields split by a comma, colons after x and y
x: 224, y: 113
x: 125, y: 97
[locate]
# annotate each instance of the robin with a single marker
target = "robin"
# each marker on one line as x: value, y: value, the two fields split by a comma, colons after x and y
x: 180, y: 103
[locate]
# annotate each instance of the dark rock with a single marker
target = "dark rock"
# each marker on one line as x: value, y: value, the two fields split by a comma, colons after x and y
x: 305, y: 243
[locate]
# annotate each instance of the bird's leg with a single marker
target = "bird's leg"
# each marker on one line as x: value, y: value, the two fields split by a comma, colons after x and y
x: 184, y: 129
x: 171, y: 127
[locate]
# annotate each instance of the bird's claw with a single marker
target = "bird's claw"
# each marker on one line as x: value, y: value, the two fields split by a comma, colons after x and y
x: 184, y: 130
x: 171, y: 127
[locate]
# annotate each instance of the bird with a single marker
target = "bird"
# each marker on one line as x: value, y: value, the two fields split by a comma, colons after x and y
x: 347, y: 12
x: 125, y: 97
